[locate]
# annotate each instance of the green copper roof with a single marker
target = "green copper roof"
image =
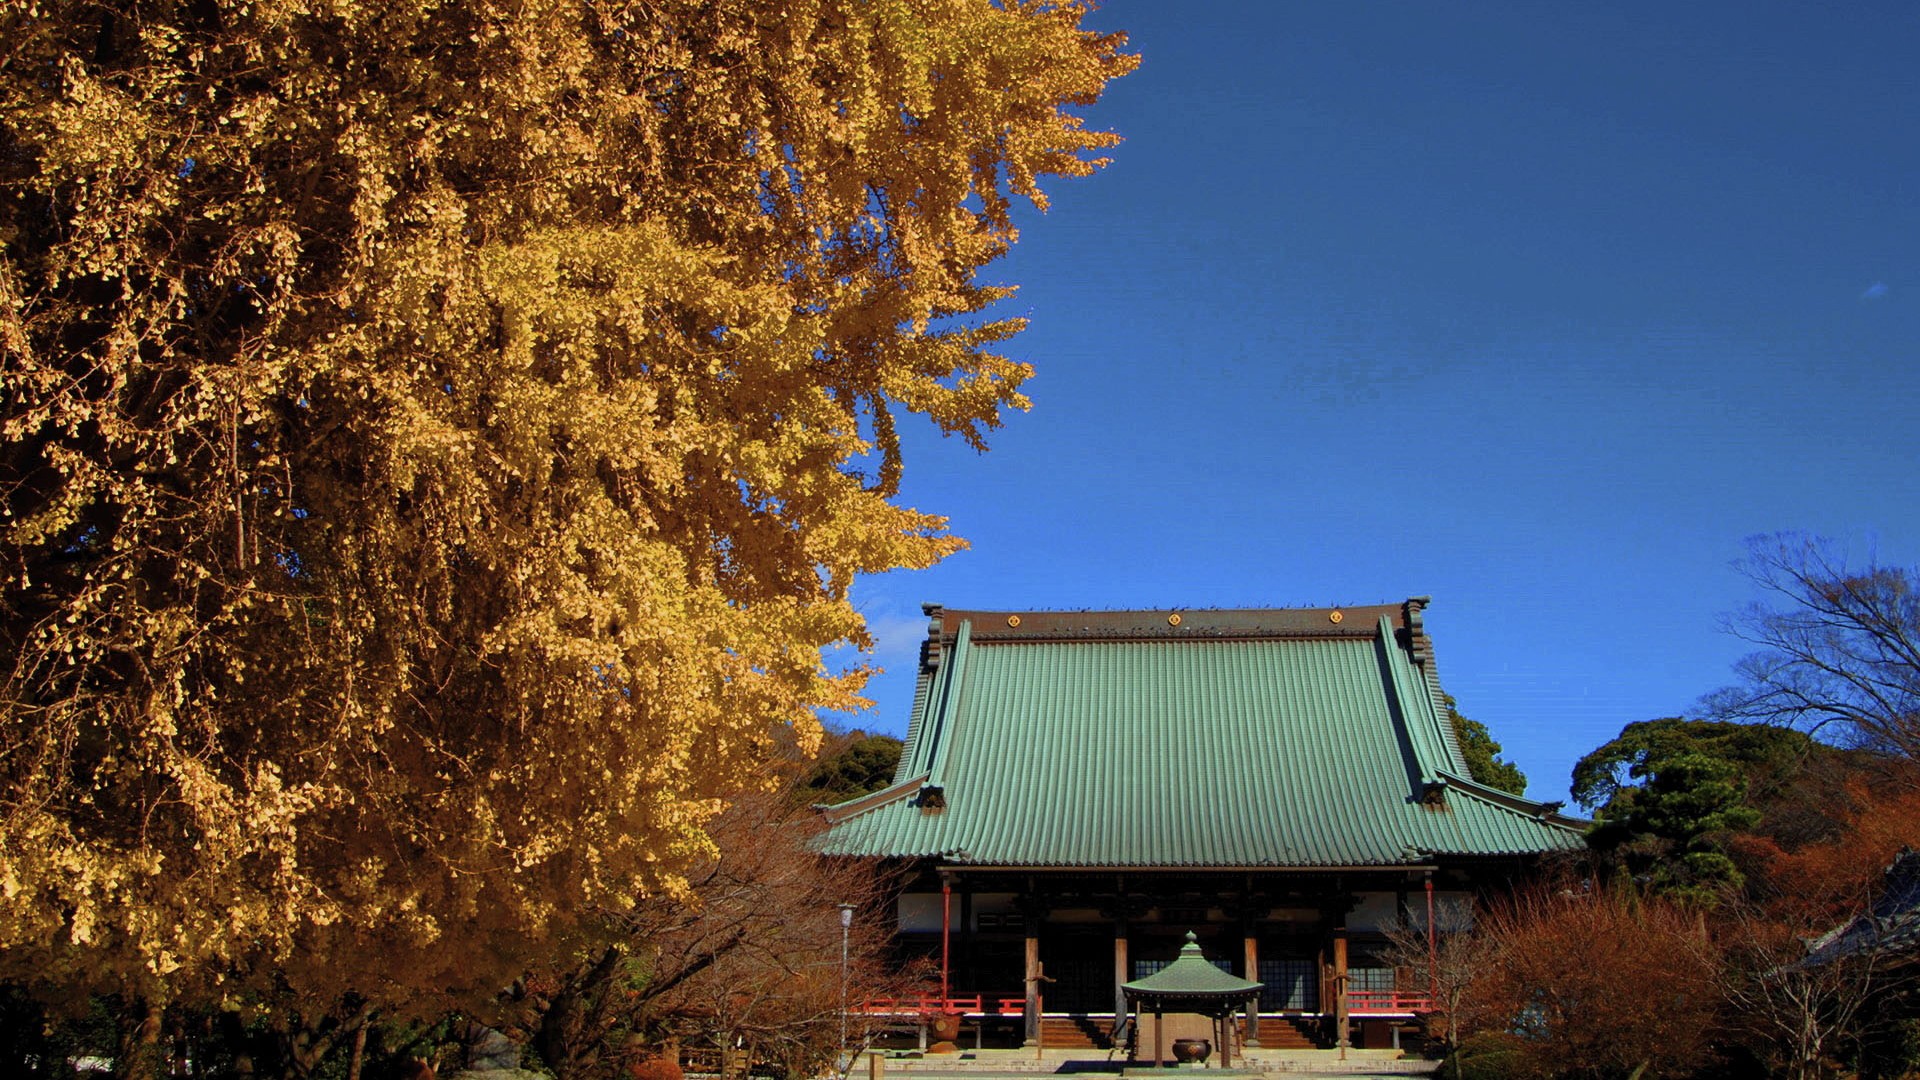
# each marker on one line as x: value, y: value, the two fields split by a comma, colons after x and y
x: 1220, y: 739
x: 1192, y: 975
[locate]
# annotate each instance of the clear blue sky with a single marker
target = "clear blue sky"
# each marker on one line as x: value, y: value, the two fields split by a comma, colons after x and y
x: 1540, y: 309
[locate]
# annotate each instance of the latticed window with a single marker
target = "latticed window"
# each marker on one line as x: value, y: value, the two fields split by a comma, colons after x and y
x: 1370, y: 978
x: 1289, y: 985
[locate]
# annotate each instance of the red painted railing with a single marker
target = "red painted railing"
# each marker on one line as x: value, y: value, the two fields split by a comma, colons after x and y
x: 934, y: 1004
x: 1389, y: 1002
x: 1359, y: 1002
x: 918, y: 1005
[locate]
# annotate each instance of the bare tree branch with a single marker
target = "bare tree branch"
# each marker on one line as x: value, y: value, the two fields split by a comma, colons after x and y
x: 1838, y: 649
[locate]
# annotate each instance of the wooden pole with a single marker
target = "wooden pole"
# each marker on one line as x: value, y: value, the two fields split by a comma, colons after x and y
x: 1033, y: 982
x: 1253, y: 975
x: 1323, y: 980
x: 1340, y: 1004
x: 1158, y: 1026
x: 1433, y: 949
x: 946, y: 945
x: 1119, y: 971
x: 965, y: 970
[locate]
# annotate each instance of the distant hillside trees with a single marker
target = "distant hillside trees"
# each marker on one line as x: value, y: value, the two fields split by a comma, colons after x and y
x: 851, y: 765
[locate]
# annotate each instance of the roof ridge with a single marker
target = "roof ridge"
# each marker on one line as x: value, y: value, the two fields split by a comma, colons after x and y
x: 1422, y: 731
x: 1166, y: 623
x: 942, y: 732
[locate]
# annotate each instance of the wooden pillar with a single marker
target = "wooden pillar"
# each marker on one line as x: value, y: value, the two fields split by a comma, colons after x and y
x: 946, y: 944
x: 1033, y: 979
x: 1323, y: 981
x: 1433, y: 949
x: 1253, y: 975
x: 1340, y: 1003
x: 1159, y: 1026
x: 968, y: 976
x: 1119, y: 970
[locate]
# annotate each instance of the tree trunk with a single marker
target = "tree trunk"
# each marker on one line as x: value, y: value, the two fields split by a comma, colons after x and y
x: 359, y: 1052
x: 303, y: 1052
x: 138, y: 1056
x: 557, y: 1030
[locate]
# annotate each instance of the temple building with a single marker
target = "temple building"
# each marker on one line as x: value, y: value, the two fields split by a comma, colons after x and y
x: 1080, y: 791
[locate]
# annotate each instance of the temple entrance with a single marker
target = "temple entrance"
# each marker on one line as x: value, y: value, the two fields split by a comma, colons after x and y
x: 1080, y: 963
x: 994, y: 966
x: 1290, y: 959
x: 1289, y: 985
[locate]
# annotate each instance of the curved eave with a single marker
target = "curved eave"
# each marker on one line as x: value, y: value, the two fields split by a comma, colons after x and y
x: 839, y: 812
x: 1209, y: 996
x: 1515, y: 817
x: 1519, y: 804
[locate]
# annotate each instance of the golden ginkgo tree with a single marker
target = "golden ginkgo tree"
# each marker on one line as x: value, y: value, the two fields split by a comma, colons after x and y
x: 439, y: 438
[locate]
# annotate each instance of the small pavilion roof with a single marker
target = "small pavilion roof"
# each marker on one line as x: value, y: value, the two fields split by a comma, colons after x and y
x: 1891, y: 927
x: 1298, y: 737
x: 1191, y: 976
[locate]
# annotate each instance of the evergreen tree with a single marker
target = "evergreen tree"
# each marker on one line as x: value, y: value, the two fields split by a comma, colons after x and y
x: 1666, y: 794
x: 1483, y: 754
x: 865, y: 763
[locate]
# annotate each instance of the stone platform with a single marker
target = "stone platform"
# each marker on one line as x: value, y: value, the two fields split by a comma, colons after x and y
x: 1256, y: 1064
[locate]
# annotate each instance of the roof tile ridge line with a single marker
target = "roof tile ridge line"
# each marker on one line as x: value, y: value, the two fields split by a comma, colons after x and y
x: 927, y: 730
x: 1438, y: 725
x: 1423, y: 658
x: 1402, y: 705
x: 860, y: 804
x: 922, y: 693
x: 925, y: 668
x: 956, y: 665
x: 1430, y: 719
x: 1162, y: 633
x: 1517, y: 803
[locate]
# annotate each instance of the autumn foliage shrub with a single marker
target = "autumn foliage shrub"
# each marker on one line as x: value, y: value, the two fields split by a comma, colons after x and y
x: 1596, y: 983
x: 658, y: 1067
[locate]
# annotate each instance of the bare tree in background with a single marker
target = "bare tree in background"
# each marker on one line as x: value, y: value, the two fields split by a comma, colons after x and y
x: 1800, y: 1014
x: 1838, y: 647
x: 745, y: 964
x: 1453, y: 964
